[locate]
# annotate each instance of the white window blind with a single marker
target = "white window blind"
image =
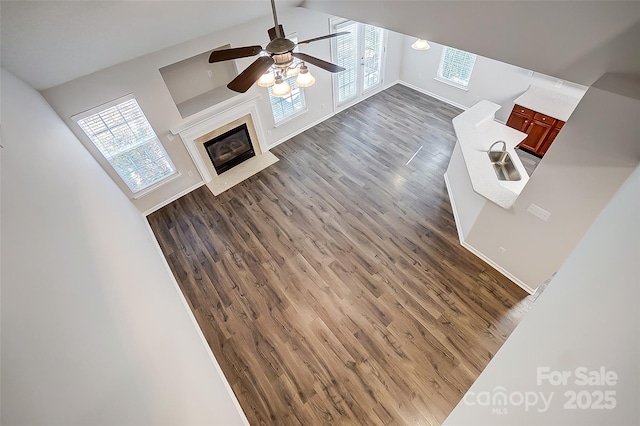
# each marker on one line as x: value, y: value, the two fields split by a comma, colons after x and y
x: 372, y: 59
x: 456, y: 66
x: 346, y: 55
x: 288, y: 105
x: 125, y: 138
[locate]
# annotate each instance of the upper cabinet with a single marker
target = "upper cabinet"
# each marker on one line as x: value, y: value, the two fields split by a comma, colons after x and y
x: 540, y: 113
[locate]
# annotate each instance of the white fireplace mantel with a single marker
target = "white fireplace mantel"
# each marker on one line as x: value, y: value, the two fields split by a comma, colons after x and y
x: 194, y: 131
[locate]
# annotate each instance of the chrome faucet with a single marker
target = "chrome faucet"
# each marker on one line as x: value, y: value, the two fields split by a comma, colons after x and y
x: 504, y: 146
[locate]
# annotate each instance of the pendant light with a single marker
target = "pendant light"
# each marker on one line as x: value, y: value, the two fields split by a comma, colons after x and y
x: 305, y: 79
x: 421, y: 44
x: 281, y: 88
x: 266, y: 80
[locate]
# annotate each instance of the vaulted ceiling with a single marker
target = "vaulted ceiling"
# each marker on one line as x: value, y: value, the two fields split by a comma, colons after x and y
x: 577, y: 41
x: 46, y: 43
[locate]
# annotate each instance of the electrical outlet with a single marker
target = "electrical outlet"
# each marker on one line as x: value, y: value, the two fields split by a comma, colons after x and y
x: 190, y: 173
x: 210, y: 73
x: 539, y: 212
x: 501, y: 250
x: 559, y: 83
x: 170, y: 137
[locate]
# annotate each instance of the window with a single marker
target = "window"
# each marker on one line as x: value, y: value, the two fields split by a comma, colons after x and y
x: 361, y: 52
x: 346, y: 55
x: 122, y: 134
x: 372, y: 58
x: 289, y: 105
x: 456, y: 66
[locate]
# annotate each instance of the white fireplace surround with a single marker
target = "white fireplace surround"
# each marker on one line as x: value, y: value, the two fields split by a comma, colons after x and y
x: 195, y: 135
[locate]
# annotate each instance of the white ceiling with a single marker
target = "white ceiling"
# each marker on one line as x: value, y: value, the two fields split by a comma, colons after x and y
x: 46, y: 43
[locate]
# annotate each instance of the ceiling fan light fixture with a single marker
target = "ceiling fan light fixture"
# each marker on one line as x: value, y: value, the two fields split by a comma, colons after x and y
x: 281, y: 88
x: 421, y: 44
x: 267, y: 79
x: 277, y: 57
x: 305, y: 79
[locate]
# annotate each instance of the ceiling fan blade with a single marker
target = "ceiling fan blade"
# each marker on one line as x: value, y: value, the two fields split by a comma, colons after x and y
x: 234, y: 53
x: 318, y: 62
x: 272, y: 32
x: 323, y: 37
x: 246, y: 78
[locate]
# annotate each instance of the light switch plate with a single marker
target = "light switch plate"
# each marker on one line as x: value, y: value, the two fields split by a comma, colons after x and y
x: 539, y: 212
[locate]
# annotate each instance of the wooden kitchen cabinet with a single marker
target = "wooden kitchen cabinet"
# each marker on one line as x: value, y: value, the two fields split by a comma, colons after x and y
x: 541, y: 129
x: 552, y: 135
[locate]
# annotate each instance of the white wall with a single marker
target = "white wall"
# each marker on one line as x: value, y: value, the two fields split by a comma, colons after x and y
x: 94, y: 328
x: 593, y: 154
x: 141, y: 77
x: 587, y: 317
x: 491, y: 80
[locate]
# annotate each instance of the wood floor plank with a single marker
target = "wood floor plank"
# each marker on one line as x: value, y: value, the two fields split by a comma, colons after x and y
x: 331, y: 286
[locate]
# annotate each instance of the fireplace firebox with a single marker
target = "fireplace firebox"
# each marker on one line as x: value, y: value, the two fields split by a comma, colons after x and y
x: 230, y: 148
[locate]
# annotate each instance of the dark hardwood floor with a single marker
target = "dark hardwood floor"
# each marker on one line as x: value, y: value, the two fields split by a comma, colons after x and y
x: 331, y: 286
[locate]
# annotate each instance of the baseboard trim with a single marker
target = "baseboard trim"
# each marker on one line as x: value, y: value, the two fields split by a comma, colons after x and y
x: 173, y: 198
x: 198, y: 330
x: 433, y: 95
x: 477, y: 252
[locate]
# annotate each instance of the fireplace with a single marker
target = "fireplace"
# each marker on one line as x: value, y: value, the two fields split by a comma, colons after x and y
x: 227, y: 147
x: 230, y: 148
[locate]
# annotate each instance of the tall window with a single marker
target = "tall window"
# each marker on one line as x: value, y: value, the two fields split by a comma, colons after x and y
x: 125, y: 138
x: 346, y: 55
x: 361, y: 52
x: 372, y: 58
x: 289, y: 105
x: 456, y: 66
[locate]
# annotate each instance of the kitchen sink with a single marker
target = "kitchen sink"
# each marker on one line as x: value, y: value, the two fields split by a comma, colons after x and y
x: 503, y: 166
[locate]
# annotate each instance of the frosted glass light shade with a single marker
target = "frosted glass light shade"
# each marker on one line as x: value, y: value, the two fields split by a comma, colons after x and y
x: 292, y: 72
x: 281, y: 88
x: 421, y: 45
x: 266, y: 80
x: 305, y: 79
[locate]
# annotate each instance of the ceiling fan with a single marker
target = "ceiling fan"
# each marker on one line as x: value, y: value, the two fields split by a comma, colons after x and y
x: 280, y: 55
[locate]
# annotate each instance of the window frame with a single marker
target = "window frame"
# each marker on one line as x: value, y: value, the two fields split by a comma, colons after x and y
x: 105, y: 162
x: 455, y: 83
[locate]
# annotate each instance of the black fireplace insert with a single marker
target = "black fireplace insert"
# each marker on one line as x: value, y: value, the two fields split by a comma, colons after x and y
x: 230, y: 148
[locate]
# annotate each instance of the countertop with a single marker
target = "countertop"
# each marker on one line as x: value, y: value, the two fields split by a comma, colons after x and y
x: 476, y: 130
x: 548, y: 102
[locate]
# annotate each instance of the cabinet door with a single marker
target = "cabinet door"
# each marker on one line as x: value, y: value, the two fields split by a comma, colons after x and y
x: 537, y: 131
x: 520, y: 118
x: 518, y: 121
x: 551, y: 137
